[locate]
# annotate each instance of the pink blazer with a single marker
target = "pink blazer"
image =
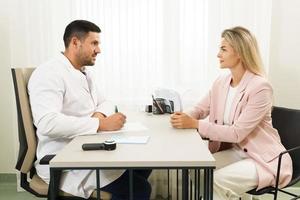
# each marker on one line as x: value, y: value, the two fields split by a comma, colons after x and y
x: 251, y: 127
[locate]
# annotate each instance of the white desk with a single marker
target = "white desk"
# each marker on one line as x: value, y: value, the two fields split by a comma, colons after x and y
x: 167, y: 148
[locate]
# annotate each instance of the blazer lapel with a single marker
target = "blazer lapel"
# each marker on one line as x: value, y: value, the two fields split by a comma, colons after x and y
x: 222, y: 99
x: 240, y: 93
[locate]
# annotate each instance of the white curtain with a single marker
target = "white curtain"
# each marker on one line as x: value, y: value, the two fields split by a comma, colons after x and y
x: 145, y: 44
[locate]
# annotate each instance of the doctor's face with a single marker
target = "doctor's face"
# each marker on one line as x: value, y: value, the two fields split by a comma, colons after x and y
x: 88, y: 49
x: 227, y: 55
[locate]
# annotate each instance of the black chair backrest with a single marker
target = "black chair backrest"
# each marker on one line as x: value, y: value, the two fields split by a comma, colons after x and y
x: 287, y: 122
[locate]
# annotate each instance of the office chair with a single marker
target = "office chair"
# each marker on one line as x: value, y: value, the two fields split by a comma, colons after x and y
x: 30, y: 181
x: 287, y: 122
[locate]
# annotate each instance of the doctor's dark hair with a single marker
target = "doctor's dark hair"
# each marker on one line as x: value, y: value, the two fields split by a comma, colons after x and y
x: 245, y: 45
x: 79, y: 29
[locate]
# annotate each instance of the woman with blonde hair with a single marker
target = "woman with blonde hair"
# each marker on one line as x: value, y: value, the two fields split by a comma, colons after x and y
x: 240, y: 132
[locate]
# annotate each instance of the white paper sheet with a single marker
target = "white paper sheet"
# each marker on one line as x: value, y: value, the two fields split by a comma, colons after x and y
x: 129, y: 127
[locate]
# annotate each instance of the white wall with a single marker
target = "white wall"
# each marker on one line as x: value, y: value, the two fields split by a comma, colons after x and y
x: 285, y: 53
x: 8, y: 129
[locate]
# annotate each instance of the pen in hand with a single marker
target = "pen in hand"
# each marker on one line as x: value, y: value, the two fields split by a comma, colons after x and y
x: 116, y: 109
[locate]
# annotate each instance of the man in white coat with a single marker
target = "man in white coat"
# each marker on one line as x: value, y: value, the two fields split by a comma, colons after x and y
x: 65, y: 103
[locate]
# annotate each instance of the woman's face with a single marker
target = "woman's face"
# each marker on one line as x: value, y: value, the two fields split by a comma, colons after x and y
x: 227, y: 56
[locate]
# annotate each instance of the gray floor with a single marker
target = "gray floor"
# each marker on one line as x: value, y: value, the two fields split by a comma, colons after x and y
x: 8, y: 191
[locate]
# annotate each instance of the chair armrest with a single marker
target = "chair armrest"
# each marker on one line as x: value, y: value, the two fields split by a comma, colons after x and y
x: 46, y: 159
x: 289, y: 150
x: 279, y: 164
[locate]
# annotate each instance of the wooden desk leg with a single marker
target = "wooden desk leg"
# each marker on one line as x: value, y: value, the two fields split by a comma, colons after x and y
x: 130, y: 184
x: 185, y: 184
x: 53, y: 190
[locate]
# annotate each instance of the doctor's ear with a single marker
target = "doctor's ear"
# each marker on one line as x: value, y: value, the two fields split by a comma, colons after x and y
x: 75, y: 42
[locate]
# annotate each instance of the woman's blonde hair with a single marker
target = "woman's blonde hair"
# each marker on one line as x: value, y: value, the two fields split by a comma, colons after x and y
x: 244, y: 43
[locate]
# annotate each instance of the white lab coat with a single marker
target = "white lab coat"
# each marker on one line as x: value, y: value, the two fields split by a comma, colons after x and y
x: 62, y: 101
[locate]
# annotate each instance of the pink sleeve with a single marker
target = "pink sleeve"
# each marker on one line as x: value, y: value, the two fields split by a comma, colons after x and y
x: 201, y: 109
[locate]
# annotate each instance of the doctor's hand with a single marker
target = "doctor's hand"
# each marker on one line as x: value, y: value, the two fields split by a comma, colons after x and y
x: 98, y: 115
x: 182, y: 120
x: 112, y: 123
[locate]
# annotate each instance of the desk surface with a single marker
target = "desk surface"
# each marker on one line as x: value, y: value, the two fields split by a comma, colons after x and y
x: 167, y: 147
